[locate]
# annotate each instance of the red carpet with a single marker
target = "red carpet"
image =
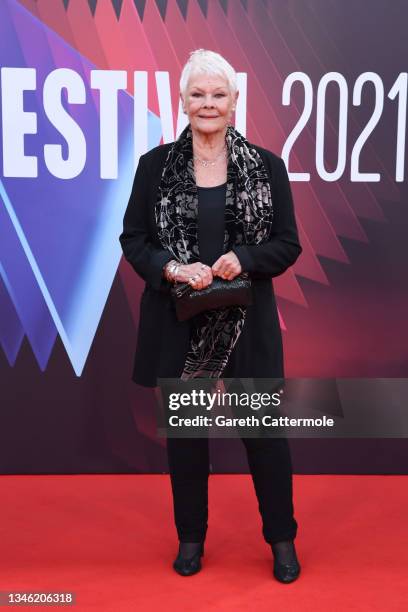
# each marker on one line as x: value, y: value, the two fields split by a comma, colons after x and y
x: 111, y: 540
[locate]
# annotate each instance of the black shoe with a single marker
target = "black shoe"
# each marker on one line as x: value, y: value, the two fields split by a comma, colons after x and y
x: 286, y: 566
x: 191, y: 565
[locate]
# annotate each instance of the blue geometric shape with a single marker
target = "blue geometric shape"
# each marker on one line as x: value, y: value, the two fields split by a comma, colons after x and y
x: 25, y: 288
x: 11, y: 330
x: 68, y: 229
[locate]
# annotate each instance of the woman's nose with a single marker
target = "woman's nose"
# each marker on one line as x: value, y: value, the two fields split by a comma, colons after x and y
x: 208, y: 101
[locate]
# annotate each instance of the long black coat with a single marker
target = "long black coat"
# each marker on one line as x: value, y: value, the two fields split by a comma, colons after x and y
x: 163, y: 342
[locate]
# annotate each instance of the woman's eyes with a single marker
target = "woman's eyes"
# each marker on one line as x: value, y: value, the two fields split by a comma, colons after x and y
x: 218, y: 95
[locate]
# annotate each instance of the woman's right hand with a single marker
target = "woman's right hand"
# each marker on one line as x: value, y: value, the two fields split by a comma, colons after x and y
x: 199, y: 275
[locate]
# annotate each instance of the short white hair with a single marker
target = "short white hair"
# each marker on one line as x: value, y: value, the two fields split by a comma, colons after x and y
x: 203, y: 61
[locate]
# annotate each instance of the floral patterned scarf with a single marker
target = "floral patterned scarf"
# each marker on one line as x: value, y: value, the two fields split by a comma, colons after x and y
x: 248, y: 220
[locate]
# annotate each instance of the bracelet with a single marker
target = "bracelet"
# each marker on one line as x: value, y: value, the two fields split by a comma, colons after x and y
x: 166, y: 269
x: 171, y: 269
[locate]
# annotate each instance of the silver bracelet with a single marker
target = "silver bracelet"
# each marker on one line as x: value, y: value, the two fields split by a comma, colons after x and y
x: 166, y: 268
x: 172, y: 269
x: 175, y: 271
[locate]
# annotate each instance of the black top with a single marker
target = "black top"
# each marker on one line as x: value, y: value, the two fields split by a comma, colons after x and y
x: 211, y: 222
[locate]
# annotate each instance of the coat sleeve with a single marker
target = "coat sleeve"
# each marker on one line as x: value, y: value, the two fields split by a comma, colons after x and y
x: 138, y: 249
x: 281, y: 251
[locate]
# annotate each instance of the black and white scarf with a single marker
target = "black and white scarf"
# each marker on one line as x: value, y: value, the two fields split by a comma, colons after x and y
x: 248, y: 220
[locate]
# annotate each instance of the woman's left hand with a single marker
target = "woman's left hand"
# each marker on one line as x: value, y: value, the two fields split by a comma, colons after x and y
x: 227, y: 266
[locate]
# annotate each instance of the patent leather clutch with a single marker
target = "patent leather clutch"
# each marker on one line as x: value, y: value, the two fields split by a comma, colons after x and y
x: 221, y: 293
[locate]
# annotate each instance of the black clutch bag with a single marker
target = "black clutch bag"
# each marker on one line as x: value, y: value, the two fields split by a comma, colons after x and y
x: 189, y: 302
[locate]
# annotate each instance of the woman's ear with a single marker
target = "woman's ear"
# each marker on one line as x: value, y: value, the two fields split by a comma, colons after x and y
x: 182, y: 103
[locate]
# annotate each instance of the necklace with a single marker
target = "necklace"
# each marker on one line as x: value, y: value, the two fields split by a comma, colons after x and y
x: 209, y: 162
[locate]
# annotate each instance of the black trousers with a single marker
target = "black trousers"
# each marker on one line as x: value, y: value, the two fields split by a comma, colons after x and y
x: 271, y: 469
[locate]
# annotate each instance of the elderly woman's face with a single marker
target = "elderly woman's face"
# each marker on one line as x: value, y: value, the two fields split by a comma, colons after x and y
x: 208, y: 102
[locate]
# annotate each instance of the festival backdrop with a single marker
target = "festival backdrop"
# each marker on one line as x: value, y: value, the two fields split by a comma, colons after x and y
x: 87, y: 86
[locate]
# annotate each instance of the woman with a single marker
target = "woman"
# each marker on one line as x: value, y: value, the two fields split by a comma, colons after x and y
x: 212, y: 205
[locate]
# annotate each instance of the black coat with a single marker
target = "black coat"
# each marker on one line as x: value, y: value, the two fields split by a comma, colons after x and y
x: 163, y: 342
